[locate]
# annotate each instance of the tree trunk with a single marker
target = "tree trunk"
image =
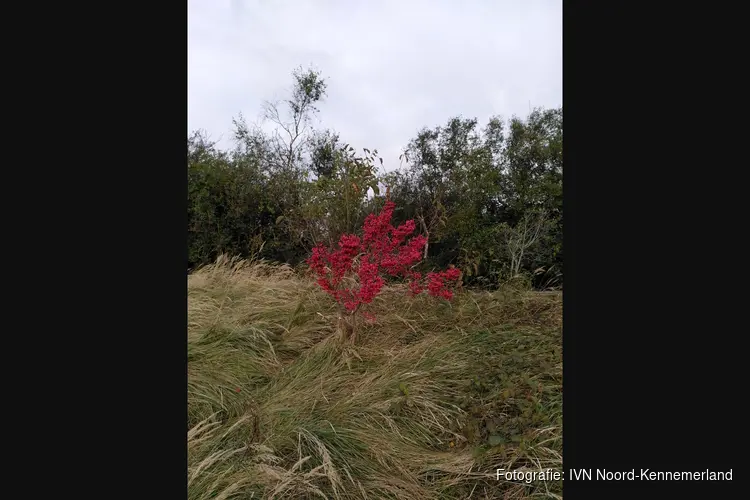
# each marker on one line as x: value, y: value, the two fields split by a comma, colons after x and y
x: 345, y: 328
x: 427, y: 233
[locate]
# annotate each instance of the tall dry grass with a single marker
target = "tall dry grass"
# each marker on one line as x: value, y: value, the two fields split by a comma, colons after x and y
x: 433, y: 398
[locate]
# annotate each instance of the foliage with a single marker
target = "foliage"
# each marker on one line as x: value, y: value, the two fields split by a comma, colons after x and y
x: 472, y: 190
x: 382, y: 250
x: 469, y: 186
x: 338, y: 198
x: 227, y: 212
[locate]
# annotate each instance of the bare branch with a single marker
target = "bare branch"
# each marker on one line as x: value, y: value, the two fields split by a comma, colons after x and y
x: 522, y: 237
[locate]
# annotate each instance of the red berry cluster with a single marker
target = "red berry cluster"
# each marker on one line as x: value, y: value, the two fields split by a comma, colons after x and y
x: 382, y: 249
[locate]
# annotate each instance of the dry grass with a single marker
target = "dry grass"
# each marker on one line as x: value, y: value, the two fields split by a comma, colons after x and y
x: 433, y: 398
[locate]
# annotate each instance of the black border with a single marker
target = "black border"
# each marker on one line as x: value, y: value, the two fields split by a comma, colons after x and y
x: 115, y: 255
x: 649, y: 379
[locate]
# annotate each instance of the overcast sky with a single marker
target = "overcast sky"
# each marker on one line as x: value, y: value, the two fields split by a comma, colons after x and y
x: 393, y: 66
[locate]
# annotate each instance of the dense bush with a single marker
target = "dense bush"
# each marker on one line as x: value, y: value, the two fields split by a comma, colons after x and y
x: 487, y: 199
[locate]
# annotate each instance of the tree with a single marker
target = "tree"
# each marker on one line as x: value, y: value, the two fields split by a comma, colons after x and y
x: 227, y: 212
x: 324, y: 147
x: 487, y: 199
x: 522, y: 237
x: 353, y: 273
x: 451, y: 180
x: 336, y: 200
x: 282, y: 157
x: 464, y: 185
x: 294, y: 122
x: 532, y: 173
x: 532, y: 182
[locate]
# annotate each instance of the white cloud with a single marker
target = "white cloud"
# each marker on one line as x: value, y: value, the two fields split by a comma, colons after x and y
x: 393, y: 67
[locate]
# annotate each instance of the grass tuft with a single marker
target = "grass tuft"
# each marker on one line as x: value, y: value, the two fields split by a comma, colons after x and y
x: 432, y: 399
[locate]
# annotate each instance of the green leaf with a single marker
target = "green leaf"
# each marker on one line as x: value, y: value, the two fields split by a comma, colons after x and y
x: 495, y: 440
x: 375, y: 189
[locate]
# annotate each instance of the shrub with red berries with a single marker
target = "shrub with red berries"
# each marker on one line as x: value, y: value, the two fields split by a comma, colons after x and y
x: 382, y: 250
